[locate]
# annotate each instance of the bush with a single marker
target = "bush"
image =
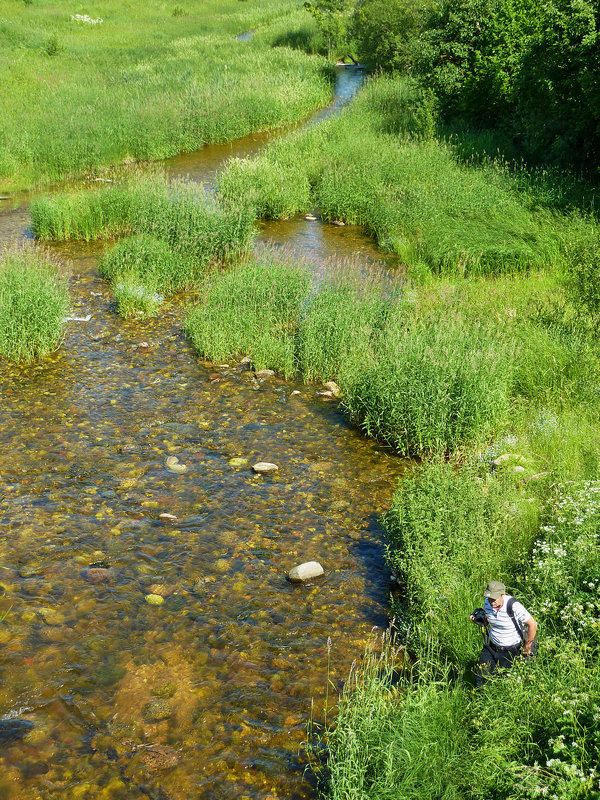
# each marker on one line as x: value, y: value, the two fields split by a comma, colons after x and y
x: 34, y: 299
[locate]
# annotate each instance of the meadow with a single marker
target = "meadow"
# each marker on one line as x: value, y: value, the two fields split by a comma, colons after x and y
x: 122, y: 83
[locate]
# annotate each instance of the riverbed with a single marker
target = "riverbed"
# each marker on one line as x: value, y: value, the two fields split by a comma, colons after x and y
x: 208, y: 694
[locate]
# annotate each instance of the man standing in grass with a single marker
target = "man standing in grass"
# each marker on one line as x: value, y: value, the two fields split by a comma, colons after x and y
x: 505, y: 618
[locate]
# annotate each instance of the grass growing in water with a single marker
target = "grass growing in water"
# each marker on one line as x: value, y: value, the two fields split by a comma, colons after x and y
x: 179, y: 213
x: 253, y: 310
x: 377, y: 164
x: 34, y: 300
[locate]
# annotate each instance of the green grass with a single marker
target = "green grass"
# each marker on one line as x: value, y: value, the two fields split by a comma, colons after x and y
x: 251, y: 311
x: 34, y: 300
x: 436, y: 385
x: 180, y: 214
x: 378, y: 164
x: 144, y: 83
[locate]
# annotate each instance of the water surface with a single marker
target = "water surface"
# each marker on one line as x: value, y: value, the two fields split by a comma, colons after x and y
x: 208, y: 694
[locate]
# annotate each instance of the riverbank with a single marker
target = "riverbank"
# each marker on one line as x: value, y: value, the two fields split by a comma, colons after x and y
x: 87, y: 92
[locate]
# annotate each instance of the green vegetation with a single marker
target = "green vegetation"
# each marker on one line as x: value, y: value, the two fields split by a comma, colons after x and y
x: 82, y: 92
x: 377, y: 165
x: 179, y: 213
x: 34, y: 299
x: 251, y: 310
x: 176, y: 230
x: 531, y: 732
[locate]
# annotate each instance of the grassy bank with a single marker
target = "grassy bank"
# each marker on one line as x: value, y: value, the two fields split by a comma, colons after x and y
x: 378, y: 164
x: 521, y: 507
x: 34, y: 300
x: 84, y: 91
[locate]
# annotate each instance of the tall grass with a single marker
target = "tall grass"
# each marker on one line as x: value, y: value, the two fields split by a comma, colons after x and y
x: 142, y: 86
x: 435, y: 386
x: 386, y: 723
x: 254, y: 311
x: 178, y: 213
x: 34, y: 299
x: 378, y: 164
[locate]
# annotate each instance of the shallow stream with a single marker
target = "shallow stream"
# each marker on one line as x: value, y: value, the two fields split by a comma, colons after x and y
x: 103, y: 695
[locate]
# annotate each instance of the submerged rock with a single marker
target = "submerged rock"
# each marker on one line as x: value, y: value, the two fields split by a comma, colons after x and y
x: 164, y: 517
x: 173, y: 464
x: 238, y: 462
x: 13, y: 730
x: 306, y: 571
x: 159, y: 756
x: 264, y: 467
x: 98, y: 575
x: 155, y: 599
x: 156, y: 710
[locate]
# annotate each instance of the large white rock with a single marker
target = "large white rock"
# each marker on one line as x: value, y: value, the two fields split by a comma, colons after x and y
x: 304, y: 572
x: 264, y: 467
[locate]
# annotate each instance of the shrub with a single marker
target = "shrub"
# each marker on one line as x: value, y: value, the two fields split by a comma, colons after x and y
x: 34, y: 299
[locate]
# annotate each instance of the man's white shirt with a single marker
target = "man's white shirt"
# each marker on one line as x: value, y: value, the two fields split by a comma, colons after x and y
x: 502, y: 630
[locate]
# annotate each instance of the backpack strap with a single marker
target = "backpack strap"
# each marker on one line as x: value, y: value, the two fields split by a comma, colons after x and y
x: 511, y: 614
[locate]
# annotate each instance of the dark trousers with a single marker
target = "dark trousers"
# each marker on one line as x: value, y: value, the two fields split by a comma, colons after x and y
x: 491, y: 658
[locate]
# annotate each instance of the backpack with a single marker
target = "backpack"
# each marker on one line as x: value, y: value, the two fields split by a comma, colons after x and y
x: 518, y: 628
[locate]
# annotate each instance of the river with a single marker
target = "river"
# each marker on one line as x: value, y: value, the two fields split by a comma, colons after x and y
x: 103, y: 695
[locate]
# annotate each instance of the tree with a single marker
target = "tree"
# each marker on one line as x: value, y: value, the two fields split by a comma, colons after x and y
x: 387, y: 32
x: 332, y: 19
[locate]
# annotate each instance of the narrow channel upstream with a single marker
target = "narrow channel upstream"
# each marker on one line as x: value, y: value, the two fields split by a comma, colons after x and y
x: 103, y: 695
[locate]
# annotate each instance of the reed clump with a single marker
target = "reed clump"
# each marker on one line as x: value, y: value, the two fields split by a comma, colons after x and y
x: 34, y: 300
x: 253, y: 311
x: 420, y: 386
x: 436, y: 386
x: 179, y: 213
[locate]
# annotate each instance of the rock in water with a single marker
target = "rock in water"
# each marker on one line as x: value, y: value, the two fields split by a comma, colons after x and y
x: 13, y: 730
x: 331, y: 386
x: 157, y: 710
x: 264, y: 373
x: 173, y: 465
x: 264, y: 467
x: 98, y: 575
x: 304, y: 572
x: 155, y: 599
